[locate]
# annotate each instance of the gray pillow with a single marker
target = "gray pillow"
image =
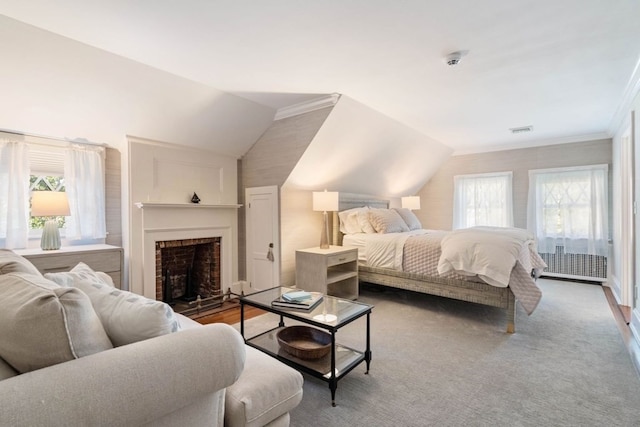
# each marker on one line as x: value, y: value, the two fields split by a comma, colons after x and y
x: 10, y: 262
x: 387, y: 221
x: 409, y: 218
x: 42, y: 324
x: 126, y: 317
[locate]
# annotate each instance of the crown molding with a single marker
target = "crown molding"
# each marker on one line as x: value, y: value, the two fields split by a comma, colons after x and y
x: 534, y: 143
x: 307, y: 106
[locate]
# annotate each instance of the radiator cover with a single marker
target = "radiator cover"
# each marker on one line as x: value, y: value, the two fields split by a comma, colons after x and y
x: 579, y: 265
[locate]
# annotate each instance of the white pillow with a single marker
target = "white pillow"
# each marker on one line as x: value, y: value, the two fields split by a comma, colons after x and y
x: 387, y: 221
x: 126, y: 317
x: 409, y: 218
x: 349, y: 220
x: 363, y: 221
x: 42, y: 324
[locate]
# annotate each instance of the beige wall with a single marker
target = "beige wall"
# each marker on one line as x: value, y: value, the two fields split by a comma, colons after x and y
x: 113, y: 196
x: 437, y: 195
x: 271, y: 160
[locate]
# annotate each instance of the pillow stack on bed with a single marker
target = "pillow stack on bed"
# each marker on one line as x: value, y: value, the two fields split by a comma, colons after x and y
x: 45, y: 320
x: 369, y: 220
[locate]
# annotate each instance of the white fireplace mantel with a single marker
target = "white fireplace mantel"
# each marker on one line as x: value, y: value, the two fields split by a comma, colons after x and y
x: 161, y: 221
x: 146, y: 205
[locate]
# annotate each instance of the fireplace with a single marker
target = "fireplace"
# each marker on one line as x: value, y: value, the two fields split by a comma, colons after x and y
x: 188, y: 274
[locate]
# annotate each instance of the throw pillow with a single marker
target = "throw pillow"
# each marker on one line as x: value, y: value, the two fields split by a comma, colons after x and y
x: 42, y: 324
x: 81, y: 270
x: 387, y: 221
x: 363, y: 221
x: 126, y: 317
x: 410, y: 218
x: 11, y: 262
x: 349, y: 220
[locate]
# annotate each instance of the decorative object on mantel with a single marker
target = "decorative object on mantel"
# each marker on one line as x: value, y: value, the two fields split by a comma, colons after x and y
x: 195, y: 198
x: 324, y: 201
x: 50, y: 204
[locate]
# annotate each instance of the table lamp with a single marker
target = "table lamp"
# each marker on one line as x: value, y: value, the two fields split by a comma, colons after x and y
x: 50, y: 204
x: 411, y: 202
x: 324, y: 201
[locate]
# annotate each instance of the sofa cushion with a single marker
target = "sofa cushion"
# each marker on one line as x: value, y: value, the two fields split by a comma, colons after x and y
x: 265, y: 391
x: 127, y: 317
x: 10, y: 262
x: 42, y: 324
x: 6, y: 371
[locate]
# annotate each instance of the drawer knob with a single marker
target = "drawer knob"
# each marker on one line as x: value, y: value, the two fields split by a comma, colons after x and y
x: 342, y: 259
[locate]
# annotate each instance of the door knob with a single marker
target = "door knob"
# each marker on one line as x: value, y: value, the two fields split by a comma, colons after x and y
x: 270, y: 253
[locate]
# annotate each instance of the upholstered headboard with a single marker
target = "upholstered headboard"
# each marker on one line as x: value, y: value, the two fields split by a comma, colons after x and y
x: 350, y: 201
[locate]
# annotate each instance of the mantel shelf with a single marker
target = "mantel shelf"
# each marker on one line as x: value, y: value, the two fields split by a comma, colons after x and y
x: 146, y: 205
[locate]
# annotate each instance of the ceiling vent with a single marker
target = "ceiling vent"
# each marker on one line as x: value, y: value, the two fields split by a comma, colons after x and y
x: 522, y: 129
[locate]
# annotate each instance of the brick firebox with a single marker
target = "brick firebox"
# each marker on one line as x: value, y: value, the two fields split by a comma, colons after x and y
x: 201, y: 256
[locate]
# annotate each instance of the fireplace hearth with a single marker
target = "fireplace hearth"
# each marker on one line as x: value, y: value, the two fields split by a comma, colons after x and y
x: 188, y: 274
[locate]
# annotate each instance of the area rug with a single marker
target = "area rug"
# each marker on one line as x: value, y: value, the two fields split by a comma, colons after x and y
x: 440, y: 362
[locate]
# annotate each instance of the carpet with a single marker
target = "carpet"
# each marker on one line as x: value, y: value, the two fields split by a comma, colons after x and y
x: 440, y: 362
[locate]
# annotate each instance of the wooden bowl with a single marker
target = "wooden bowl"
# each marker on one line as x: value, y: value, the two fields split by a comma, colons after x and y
x: 304, y: 342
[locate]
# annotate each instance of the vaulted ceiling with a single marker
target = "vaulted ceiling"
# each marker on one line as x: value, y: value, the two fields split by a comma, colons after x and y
x: 562, y: 67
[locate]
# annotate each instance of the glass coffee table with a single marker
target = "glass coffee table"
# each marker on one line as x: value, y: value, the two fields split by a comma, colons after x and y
x: 330, y: 314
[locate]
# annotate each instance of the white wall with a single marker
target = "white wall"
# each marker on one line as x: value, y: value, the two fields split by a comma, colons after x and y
x: 170, y: 174
x: 58, y: 87
x: 55, y: 86
x: 359, y: 150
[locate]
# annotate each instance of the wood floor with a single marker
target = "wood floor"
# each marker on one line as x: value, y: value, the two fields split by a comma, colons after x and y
x: 229, y: 313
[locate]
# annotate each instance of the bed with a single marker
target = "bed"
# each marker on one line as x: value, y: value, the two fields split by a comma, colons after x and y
x: 420, y: 260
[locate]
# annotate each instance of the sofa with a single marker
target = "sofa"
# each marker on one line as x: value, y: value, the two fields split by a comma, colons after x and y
x: 74, y: 350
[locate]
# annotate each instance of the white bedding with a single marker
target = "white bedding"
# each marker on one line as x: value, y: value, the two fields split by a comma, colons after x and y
x: 488, y: 252
x: 380, y: 250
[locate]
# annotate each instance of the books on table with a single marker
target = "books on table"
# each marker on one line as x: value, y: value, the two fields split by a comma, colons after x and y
x: 298, y: 299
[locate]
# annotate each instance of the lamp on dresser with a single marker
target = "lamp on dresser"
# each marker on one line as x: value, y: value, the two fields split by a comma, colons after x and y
x: 325, y: 201
x: 50, y: 204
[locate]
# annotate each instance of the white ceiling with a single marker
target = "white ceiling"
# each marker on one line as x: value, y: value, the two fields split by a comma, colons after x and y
x: 562, y: 66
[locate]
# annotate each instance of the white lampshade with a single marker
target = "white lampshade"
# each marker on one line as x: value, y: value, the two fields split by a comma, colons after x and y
x: 325, y: 201
x: 49, y: 203
x: 411, y: 202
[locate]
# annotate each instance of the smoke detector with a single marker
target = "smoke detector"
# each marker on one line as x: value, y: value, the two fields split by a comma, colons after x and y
x: 454, y: 58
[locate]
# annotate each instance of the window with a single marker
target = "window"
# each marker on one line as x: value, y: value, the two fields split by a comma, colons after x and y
x: 44, y: 183
x: 483, y: 199
x: 569, y: 207
x: 44, y: 165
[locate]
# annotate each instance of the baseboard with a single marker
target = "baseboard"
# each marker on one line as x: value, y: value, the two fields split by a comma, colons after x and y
x: 634, y: 344
x: 614, y: 285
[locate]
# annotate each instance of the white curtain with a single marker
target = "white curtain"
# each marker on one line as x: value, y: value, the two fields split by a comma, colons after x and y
x: 569, y: 207
x: 14, y: 194
x: 483, y: 199
x: 84, y: 184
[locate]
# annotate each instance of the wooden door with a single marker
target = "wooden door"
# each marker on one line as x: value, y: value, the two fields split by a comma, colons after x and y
x: 263, y: 237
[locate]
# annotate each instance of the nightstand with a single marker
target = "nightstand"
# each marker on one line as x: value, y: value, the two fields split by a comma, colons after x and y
x: 104, y: 258
x: 332, y: 271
